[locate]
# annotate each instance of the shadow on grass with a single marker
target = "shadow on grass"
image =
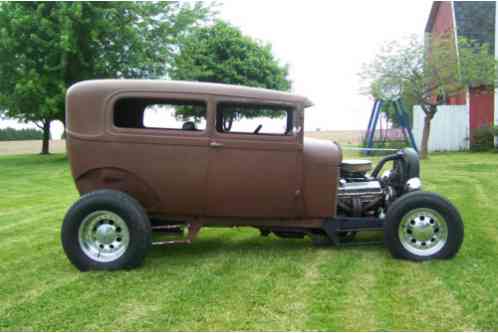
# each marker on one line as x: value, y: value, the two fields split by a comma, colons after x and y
x: 256, y: 246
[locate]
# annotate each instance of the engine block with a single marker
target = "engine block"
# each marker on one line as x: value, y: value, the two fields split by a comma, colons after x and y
x: 359, y: 198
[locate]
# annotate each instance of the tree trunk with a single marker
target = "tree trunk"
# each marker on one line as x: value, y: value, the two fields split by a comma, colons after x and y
x: 46, y: 137
x: 425, y: 137
x: 429, y: 114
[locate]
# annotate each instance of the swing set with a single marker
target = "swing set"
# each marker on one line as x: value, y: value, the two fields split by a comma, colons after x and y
x: 375, y: 117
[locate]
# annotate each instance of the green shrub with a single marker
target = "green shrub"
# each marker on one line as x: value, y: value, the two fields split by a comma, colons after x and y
x: 483, y: 138
x: 12, y: 134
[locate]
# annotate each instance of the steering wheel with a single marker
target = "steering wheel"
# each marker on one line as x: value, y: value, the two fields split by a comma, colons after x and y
x: 256, y: 131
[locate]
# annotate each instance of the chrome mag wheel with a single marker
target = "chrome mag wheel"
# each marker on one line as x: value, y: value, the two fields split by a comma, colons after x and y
x: 103, y: 236
x: 423, y: 231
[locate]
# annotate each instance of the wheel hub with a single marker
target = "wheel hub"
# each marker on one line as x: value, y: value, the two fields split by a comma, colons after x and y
x: 423, y: 231
x: 103, y: 236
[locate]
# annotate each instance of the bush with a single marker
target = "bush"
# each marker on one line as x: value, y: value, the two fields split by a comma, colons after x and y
x: 483, y: 138
x: 12, y: 134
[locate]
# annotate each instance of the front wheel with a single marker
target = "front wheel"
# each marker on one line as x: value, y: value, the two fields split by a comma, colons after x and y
x: 106, y: 230
x: 422, y: 226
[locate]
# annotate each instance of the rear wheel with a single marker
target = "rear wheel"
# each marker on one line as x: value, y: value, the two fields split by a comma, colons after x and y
x: 106, y: 230
x: 422, y: 226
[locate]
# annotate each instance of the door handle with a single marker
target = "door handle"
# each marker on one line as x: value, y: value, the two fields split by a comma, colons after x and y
x: 215, y: 144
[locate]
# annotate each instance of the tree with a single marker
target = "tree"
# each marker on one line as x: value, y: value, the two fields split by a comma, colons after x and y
x: 46, y: 47
x: 408, y: 103
x: 429, y: 74
x: 221, y: 53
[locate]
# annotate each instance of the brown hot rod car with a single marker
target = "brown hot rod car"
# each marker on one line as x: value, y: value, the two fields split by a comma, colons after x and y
x: 151, y: 156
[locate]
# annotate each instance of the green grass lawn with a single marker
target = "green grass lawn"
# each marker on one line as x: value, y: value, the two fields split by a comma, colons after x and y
x: 232, y: 279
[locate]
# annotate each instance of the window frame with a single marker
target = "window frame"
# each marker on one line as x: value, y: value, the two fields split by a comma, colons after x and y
x: 156, y: 131
x: 246, y: 135
x: 168, y: 102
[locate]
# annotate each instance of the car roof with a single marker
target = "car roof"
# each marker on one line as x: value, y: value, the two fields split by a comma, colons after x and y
x: 115, y: 85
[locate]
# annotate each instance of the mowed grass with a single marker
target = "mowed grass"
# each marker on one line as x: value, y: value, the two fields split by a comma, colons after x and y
x: 232, y: 279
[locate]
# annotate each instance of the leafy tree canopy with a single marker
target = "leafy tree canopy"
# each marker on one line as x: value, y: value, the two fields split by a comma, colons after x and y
x: 47, y: 46
x: 221, y: 53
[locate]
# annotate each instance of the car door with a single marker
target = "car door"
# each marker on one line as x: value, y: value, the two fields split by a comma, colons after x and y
x: 156, y: 139
x: 252, y: 174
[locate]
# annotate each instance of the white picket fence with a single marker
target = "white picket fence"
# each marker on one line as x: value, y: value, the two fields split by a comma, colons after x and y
x: 449, y: 128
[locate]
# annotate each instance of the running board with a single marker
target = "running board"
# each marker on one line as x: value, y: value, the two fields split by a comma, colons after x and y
x: 332, y: 226
x: 339, y: 224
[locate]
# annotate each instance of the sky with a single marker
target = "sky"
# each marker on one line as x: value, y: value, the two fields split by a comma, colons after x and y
x: 325, y: 44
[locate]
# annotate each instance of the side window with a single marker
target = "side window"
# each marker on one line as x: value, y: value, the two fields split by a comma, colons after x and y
x: 160, y: 114
x: 242, y: 118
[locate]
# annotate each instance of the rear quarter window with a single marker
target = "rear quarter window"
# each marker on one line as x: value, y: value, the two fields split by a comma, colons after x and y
x: 167, y: 114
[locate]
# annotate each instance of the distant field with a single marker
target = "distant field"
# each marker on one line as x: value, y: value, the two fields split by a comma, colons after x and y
x: 352, y: 137
x: 30, y: 147
x: 59, y: 146
x: 233, y: 279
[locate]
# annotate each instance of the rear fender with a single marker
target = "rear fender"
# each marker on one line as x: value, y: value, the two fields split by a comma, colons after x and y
x: 119, y: 180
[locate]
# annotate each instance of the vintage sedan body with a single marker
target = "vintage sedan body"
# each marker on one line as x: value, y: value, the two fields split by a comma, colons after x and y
x: 160, y: 155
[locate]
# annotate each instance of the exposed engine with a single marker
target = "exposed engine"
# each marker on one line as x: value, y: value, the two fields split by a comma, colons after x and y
x: 361, y: 193
x: 358, y: 194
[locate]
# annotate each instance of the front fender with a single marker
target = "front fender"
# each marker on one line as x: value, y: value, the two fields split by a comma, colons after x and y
x: 322, y: 160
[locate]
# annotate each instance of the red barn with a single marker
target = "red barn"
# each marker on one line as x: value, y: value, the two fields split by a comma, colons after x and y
x: 475, y: 20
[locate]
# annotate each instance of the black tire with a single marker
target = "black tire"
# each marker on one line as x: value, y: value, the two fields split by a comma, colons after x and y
x: 408, y: 204
x: 121, y: 204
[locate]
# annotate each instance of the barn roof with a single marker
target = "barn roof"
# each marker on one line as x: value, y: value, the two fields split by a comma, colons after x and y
x: 432, y: 16
x: 476, y: 20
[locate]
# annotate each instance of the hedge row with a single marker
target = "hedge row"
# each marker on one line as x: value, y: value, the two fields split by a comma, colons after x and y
x: 11, y: 134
